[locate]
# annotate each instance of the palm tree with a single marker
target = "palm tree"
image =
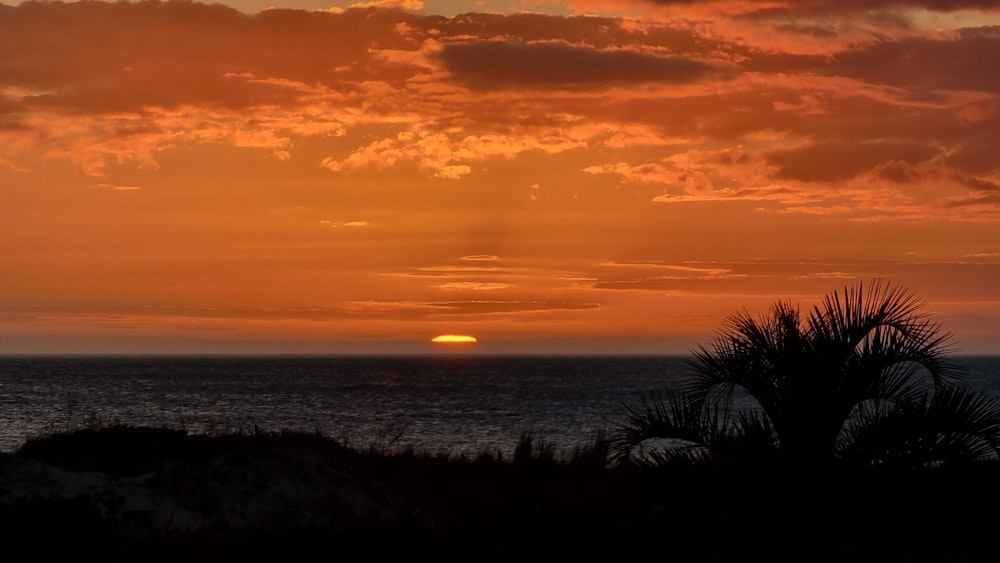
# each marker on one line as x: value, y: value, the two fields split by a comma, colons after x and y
x: 865, y: 378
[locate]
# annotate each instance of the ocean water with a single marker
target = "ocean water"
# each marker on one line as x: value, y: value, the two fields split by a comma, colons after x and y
x: 448, y: 403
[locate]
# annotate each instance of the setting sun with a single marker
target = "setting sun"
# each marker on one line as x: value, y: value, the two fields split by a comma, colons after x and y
x: 454, y: 339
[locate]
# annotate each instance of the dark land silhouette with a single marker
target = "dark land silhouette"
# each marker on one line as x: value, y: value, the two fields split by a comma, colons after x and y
x: 132, y: 493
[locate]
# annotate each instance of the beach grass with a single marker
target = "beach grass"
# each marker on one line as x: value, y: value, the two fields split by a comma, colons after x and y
x: 253, y: 493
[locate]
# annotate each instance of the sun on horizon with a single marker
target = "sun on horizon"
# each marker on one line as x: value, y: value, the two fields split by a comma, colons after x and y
x: 454, y: 339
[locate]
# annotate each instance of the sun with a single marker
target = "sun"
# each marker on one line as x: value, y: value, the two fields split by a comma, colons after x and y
x: 454, y: 339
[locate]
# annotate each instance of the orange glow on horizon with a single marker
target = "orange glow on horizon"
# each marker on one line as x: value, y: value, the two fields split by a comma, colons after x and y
x: 454, y: 339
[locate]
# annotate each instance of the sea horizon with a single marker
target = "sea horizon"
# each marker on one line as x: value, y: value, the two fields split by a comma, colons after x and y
x: 462, y: 403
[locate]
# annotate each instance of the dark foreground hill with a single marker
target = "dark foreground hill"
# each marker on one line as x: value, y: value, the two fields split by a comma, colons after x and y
x: 126, y: 493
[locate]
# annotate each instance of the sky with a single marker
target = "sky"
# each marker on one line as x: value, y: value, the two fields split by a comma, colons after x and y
x: 571, y: 176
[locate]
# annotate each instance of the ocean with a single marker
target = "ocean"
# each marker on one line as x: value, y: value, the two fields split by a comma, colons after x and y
x: 448, y: 403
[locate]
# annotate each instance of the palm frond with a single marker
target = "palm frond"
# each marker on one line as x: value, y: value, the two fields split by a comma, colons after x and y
x: 756, y: 354
x: 966, y: 424
x: 867, y: 376
x: 952, y: 424
x: 649, y: 416
x: 848, y: 319
x: 676, y: 427
x: 884, y: 322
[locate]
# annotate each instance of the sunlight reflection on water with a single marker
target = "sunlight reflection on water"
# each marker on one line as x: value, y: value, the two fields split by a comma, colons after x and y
x: 453, y: 403
x: 434, y: 403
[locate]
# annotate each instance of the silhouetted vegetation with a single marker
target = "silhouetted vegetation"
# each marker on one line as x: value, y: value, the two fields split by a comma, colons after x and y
x: 864, y: 380
x: 262, y: 495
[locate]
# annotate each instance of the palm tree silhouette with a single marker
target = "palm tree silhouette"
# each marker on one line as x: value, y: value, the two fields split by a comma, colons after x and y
x: 865, y: 378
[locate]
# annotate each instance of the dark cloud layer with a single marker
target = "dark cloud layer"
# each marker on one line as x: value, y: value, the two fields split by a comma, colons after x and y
x: 963, y: 63
x: 501, y: 64
x: 834, y: 6
x: 99, y: 56
x: 833, y: 162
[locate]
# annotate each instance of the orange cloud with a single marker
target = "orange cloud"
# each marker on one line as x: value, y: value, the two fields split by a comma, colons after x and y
x: 366, y: 171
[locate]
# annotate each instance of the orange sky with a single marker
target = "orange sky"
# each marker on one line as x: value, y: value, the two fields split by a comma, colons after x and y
x: 543, y: 175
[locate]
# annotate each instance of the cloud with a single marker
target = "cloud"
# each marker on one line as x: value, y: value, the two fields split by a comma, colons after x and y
x: 481, y: 258
x: 468, y: 310
x: 979, y: 112
x: 777, y: 194
x: 463, y: 272
x: 10, y: 164
x: 391, y: 4
x: 512, y: 65
x: 85, y: 56
x: 472, y: 286
x: 484, y: 307
x: 657, y: 276
x: 769, y: 7
x: 263, y: 139
x: 453, y: 171
x: 688, y: 269
x: 979, y: 184
x: 989, y: 200
x: 952, y: 62
x: 646, y: 173
x: 116, y: 187
x: 839, y: 161
x: 680, y: 109
x: 143, y: 317
x: 444, y: 155
x: 348, y: 224
x: 800, y: 279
